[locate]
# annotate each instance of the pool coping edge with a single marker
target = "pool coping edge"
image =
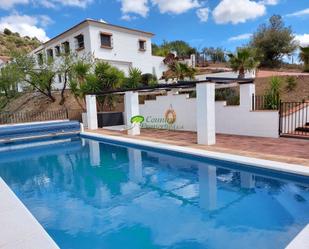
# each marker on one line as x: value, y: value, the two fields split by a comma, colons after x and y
x: 34, y: 234
x: 250, y: 161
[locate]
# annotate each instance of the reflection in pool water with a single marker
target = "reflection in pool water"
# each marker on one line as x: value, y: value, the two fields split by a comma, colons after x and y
x: 89, y: 194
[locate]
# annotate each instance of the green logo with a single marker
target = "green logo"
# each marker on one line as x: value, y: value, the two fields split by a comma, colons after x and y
x: 137, y: 119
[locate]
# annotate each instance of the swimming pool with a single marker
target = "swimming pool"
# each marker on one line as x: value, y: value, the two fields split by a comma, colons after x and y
x: 96, y: 194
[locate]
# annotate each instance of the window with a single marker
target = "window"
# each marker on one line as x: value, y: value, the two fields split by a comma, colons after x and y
x: 40, y: 58
x: 57, y: 50
x: 59, y: 78
x: 142, y: 45
x: 106, y: 40
x: 66, y: 47
x: 80, y: 44
x: 50, y: 54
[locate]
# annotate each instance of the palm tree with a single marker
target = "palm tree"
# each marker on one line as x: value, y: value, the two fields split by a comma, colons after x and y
x: 135, y: 78
x: 180, y: 71
x: 304, y: 56
x: 243, y: 60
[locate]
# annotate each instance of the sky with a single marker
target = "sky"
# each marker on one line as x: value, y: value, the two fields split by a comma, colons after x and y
x: 202, y: 23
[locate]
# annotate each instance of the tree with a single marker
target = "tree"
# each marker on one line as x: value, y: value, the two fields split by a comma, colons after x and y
x: 103, y: 77
x: 6, y: 31
x: 304, y: 57
x: 9, y: 78
x: 39, y: 77
x: 180, y: 71
x: 215, y: 54
x: 78, y: 77
x: 182, y: 48
x: 273, y: 41
x: 135, y: 78
x: 66, y: 66
x: 160, y: 50
x: 243, y: 60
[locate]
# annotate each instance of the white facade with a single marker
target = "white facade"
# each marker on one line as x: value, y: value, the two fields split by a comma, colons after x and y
x: 233, y: 120
x: 124, y: 50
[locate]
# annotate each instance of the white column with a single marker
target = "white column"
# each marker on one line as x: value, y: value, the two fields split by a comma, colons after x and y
x: 135, y: 165
x: 246, y: 91
x: 92, y: 118
x: 131, y: 105
x: 247, y: 180
x: 94, y: 153
x: 207, y: 186
x: 205, y: 113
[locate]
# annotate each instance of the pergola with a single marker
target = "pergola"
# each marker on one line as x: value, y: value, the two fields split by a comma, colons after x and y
x: 205, y: 104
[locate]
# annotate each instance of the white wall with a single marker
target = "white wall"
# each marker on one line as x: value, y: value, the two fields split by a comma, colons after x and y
x: 124, y: 54
x: 125, y: 50
x: 235, y: 120
x: 241, y: 121
x: 71, y: 39
x: 185, y: 108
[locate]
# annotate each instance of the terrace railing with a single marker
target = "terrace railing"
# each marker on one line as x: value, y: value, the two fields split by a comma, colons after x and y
x: 265, y: 102
x: 294, y: 119
x: 25, y: 117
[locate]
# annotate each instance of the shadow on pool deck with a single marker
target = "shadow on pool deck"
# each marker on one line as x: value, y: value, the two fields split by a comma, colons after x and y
x: 287, y: 150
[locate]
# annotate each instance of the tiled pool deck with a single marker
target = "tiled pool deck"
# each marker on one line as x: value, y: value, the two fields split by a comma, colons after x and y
x: 288, y: 150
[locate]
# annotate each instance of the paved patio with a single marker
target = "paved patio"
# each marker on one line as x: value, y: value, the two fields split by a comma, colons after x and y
x: 288, y: 150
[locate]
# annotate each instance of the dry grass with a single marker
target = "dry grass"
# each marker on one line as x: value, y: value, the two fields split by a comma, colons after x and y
x: 300, y: 92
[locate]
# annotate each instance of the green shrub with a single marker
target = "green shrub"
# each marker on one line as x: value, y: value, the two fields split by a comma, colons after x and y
x: 230, y: 95
x: 135, y: 78
x: 291, y: 83
x: 149, y: 79
x: 272, y: 97
x: 7, y: 31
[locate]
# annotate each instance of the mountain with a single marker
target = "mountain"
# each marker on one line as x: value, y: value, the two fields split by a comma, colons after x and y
x: 12, y: 43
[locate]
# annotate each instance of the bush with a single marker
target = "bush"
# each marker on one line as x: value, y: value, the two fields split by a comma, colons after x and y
x: 149, y: 79
x: 230, y: 95
x: 272, y: 97
x: 291, y: 83
x: 134, y: 79
x: 7, y: 31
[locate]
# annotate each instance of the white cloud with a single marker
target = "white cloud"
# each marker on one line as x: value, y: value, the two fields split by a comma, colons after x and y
x: 139, y: 7
x: 303, y: 39
x: 25, y: 25
x: 127, y: 17
x: 8, y: 4
x: 75, y: 3
x: 203, y: 14
x: 240, y: 37
x: 237, y: 11
x: 300, y: 13
x: 175, y: 6
x: 54, y: 4
x: 45, y: 20
x: 269, y: 2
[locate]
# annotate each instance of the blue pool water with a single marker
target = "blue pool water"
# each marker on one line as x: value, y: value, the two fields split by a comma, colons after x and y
x: 90, y: 194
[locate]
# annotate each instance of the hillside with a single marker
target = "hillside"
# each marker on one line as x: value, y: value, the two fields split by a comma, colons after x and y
x: 12, y: 43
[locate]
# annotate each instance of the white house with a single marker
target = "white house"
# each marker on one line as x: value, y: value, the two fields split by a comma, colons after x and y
x: 120, y: 46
